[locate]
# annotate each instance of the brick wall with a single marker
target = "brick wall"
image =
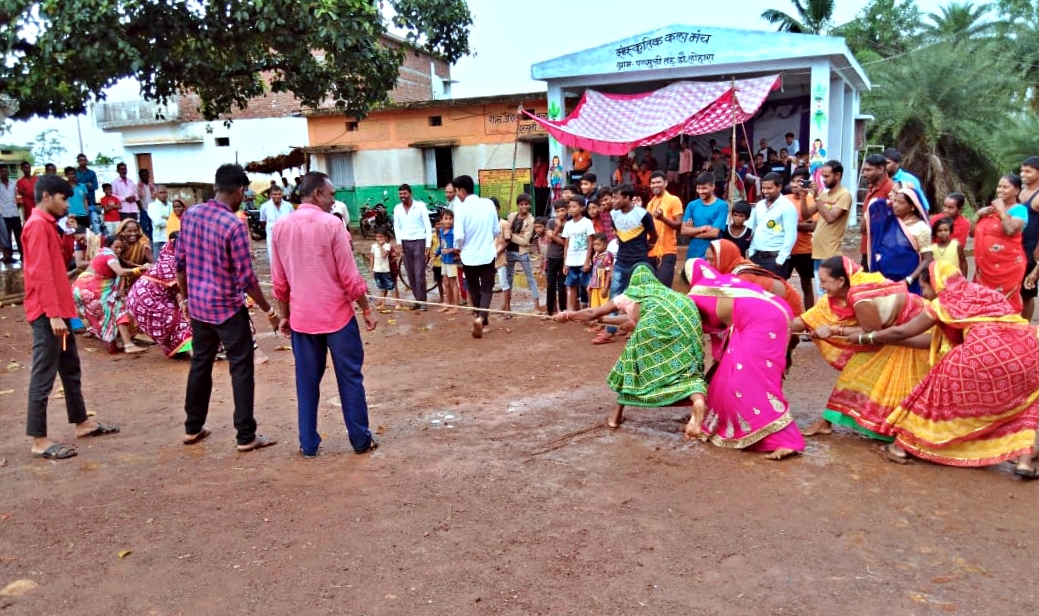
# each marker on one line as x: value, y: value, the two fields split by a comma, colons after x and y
x: 414, y: 83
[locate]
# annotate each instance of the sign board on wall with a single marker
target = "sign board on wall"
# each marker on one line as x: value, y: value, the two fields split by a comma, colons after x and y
x: 499, y: 122
x: 496, y: 183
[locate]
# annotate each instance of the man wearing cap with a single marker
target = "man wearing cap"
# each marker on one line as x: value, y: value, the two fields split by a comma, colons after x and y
x: 898, y: 174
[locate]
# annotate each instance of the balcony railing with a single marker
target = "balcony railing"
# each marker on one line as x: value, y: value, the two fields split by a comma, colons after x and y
x: 135, y: 113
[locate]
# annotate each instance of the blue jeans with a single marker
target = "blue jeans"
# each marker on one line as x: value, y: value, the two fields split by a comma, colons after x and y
x: 310, y: 352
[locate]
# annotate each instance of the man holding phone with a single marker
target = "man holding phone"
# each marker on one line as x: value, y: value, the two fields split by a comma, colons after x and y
x: 832, y: 204
x: 801, y: 256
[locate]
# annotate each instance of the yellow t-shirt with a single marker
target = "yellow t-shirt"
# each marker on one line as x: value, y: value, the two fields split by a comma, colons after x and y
x: 826, y: 241
x: 667, y: 238
x: 950, y: 254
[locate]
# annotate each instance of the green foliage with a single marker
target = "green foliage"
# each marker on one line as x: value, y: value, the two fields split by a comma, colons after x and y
x: 47, y: 146
x: 813, y: 17
x: 882, y: 29
x: 958, y: 22
x: 66, y: 52
x: 105, y: 160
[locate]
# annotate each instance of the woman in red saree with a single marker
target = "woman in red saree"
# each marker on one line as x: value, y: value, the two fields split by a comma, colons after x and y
x: 152, y: 302
x: 746, y: 407
x: 99, y: 301
x: 978, y: 404
x: 998, y: 254
x: 873, y: 380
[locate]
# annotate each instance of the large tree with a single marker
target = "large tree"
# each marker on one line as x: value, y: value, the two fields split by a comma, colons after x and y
x: 62, y: 53
x: 958, y: 21
x: 813, y: 17
x: 882, y: 29
x: 941, y: 105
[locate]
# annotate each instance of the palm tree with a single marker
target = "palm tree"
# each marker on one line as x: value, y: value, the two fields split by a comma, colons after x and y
x: 958, y: 21
x: 941, y: 105
x: 813, y: 17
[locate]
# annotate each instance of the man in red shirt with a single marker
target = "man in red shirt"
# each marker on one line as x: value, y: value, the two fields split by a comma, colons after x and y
x: 316, y: 292
x: 48, y: 308
x: 25, y: 188
x: 880, y: 186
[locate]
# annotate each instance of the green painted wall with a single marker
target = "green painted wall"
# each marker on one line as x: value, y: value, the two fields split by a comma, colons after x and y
x: 358, y: 197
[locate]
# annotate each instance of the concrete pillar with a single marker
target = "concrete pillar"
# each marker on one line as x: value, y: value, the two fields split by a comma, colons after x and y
x: 848, y: 152
x: 556, y: 111
x: 819, y: 113
x: 835, y: 142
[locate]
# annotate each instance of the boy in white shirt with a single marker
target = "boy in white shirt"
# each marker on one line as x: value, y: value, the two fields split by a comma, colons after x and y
x: 577, y: 251
x: 382, y: 253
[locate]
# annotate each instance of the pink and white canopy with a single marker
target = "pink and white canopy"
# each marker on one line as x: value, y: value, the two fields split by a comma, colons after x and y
x: 615, y: 124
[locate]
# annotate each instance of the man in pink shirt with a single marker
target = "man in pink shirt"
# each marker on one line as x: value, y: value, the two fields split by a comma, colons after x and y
x: 316, y: 283
x: 124, y: 189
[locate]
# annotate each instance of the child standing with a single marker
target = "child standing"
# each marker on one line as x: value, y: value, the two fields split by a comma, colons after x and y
x: 577, y: 249
x: 436, y: 263
x: 554, y: 279
x: 737, y: 231
x: 110, y: 204
x: 449, y: 259
x: 382, y: 254
x: 945, y: 247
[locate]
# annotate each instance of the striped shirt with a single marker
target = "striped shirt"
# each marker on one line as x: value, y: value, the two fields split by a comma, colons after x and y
x: 213, y: 248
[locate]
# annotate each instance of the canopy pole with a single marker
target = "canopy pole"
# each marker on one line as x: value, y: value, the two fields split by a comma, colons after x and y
x: 732, y: 166
x: 515, y: 154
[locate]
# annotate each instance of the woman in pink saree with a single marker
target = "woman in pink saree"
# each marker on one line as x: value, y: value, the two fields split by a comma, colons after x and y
x: 746, y: 408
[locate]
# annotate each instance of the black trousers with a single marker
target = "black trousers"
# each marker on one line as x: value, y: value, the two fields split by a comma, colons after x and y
x: 541, y: 196
x: 236, y: 335
x: 415, y: 266
x: 14, y: 227
x: 556, y: 282
x: 49, y: 360
x: 480, y: 281
x: 664, y: 266
x: 767, y: 260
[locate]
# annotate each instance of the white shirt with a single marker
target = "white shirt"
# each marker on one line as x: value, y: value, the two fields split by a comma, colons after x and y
x: 775, y: 228
x: 159, y: 212
x: 8, y: 204
x: 338, y: 207
x: 381, y: 253
x: 578, y: 233
x: 476, y: 226
x: 792, y: 148
x: 271, y: 213
x: 412, y: 224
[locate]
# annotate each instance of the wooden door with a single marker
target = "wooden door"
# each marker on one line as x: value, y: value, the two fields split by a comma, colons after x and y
x: 144, y: 161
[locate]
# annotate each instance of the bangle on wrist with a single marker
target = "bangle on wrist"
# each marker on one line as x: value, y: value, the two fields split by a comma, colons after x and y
x: 871, y: 337
x: 860, y: 338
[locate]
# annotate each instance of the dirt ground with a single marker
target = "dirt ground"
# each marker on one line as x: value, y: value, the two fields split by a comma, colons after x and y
x: 495, y: 491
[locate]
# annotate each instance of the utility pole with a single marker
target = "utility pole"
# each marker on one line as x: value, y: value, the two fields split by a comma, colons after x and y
x: 79, y: 131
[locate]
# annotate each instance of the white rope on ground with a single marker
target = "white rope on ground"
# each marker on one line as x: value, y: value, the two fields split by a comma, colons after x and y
x: 372, y: 298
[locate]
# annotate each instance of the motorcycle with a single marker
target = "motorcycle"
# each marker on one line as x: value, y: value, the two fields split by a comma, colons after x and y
x: 373, y: 219
x: 257, y: 227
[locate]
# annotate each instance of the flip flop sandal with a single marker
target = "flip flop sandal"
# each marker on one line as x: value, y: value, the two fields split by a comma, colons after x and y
x: 603, y: 339
x: 257, y: 443
x: 191, y: 439
x: 307, y: 456
x: 101, y: 430
x: 372, y: 446
x: 57, y: 452
x: 1027, y: 474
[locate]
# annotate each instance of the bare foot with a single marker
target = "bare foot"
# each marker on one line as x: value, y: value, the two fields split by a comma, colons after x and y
x: 779, y: 454
x: 260, y: 358
x: 694, y: 428
x: 133, y: 348
x: 893, y: 453
x: 819, y: 428
x: 452, y: 311
x: 477, y: 328
x: 443, y: 309
x: 615, y: 420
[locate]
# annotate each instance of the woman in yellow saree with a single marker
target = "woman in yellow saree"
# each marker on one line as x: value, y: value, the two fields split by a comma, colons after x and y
x: 978, y: 404
x: 873, y: 379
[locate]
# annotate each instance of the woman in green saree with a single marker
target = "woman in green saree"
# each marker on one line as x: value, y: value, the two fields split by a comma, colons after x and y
x: 663, y: 362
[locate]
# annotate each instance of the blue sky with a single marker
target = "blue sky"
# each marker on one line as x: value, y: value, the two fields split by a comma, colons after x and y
x: 508, y: 37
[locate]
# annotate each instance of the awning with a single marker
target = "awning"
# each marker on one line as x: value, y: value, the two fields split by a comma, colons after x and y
x: 434, y: 143
x: 615, y: 124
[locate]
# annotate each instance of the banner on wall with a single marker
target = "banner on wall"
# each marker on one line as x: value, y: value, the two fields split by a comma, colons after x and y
x: 497, y: 182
